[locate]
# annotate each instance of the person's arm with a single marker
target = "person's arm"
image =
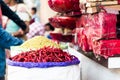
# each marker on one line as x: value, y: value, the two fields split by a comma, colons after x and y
x: 6, y: 40
x: 20, y: 32
x: 11, y: 15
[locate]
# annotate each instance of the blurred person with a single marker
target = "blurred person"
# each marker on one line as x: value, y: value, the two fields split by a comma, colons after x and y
x: 33, y: 3
x: 35, y: 17
x: 35, y: 29
x: 21, y: 10
x: 29, y: 3
x: 48, y: 29
x: 6, y: 39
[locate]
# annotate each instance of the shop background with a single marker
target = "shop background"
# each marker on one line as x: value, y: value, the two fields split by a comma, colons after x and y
x: 43, y: 9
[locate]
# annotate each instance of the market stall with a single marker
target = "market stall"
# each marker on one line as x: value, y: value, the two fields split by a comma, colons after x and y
x: 97, y: 28
x: 41, y: 58
x: 93, y: 26
x: 98, y: 37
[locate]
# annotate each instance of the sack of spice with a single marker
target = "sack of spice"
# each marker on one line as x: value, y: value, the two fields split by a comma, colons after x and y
x: 43, y: 58
x: 106, y: 48
x: 103, y: 25
x: 82, y: 39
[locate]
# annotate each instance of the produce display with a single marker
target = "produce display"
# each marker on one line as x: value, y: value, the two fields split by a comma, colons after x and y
x: 64, y: 6
x: 95, y: 27
x: 41, y: 52
x: 95, y: 33
x: 100, y: 26
x: 68, y: 11
x: 39, y: 42
x: 46, y: 54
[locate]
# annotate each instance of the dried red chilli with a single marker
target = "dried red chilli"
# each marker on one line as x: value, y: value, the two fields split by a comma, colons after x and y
x: 46, y: 54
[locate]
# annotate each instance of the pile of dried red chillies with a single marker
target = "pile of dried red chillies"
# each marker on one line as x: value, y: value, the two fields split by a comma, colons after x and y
x: 46, y: 54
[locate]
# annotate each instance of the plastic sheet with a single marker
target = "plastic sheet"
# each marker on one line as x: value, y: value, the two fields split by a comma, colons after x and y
x: 64, y: 6
x: 82, y: 21
x: 75, y: 61
x: 63, y: 22
x: 102, y: 26
x: 118, y: 1
x: 106, y: 48
x: 54, y: 73
x: 82, y: 39
x: 96, y: 27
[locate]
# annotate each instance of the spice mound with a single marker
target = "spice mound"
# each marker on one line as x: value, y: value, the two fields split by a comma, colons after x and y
x: 39, y: 42
x: 46, y: 54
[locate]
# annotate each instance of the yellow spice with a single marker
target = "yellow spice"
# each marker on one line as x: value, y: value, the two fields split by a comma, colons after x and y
x: 39, y: 42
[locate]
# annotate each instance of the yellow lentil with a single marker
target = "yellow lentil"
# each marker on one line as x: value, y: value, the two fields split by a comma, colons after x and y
x: 39, y: 42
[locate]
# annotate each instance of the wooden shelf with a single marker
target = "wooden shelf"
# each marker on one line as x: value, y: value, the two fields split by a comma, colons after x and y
x: 90, y: 67
x: 104, y: 3
x: 90, y: 6
x: 110, y: 63
x: 94, y: 9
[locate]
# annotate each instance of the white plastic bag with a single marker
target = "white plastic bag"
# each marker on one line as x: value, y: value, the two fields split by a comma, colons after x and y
x: 55, y: 73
